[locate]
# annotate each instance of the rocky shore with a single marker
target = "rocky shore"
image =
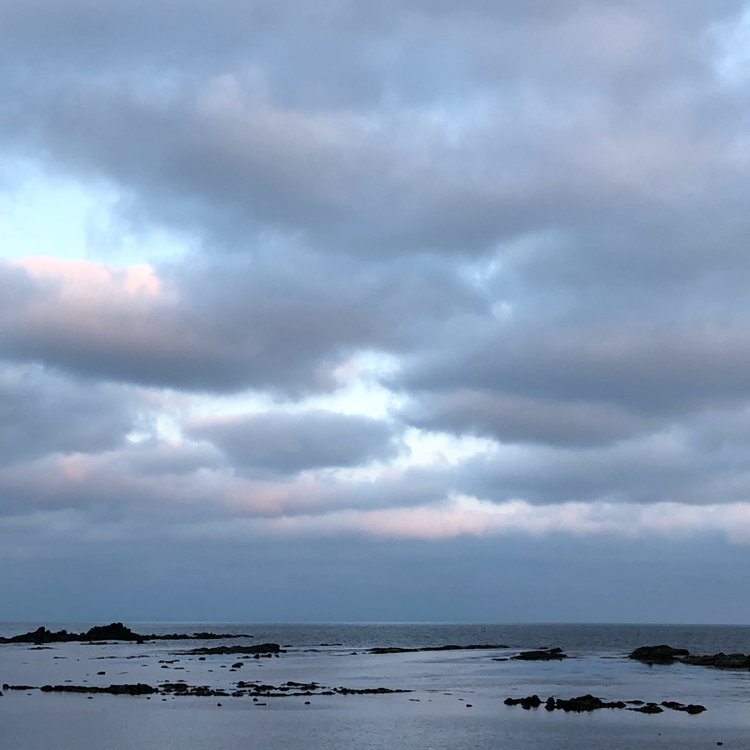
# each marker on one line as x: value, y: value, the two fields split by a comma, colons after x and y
x: 244, y: 689
x: 115, y: 631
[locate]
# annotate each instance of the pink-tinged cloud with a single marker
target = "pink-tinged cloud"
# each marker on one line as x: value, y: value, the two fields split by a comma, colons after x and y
x: 469, y: 517
x: 88, y: 279
x: 219, y: 331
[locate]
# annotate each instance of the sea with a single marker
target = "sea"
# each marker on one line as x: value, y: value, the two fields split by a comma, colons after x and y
x: 455, y: 699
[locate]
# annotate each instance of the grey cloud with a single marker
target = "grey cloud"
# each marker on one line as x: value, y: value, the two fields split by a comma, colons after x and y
x: 292, y: 442
x: 650, y: 371
x: 230, y: 156
x: 214, y: 336
x: 42, y: 413
x: 665, y: 467
x: 160, y: 459
x: 227, y: 164
x: 166, y: 487
x: 537, y: 209
x: 515, y: 418
x: 241, y: 323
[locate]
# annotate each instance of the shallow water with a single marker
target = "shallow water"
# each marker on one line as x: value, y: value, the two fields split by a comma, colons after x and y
x: 434, y: 715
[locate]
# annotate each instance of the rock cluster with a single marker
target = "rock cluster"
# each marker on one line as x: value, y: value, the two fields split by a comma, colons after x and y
x: 664, y: 654
x: 590, y: 702
x: 252, y: 690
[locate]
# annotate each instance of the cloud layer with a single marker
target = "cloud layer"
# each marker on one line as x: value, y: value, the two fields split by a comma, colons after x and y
x: 436, y: 272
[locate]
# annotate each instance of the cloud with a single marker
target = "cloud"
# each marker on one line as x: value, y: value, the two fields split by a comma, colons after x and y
x: 208, y: 334
x: 516, y: 418
x: 525, y: 224
x: 293, y: 442
x: 41, y: 413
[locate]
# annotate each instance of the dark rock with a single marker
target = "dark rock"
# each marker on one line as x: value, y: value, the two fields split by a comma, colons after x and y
x: 692, y: 708
x: 138, y: 689
x: 720, y: 661
x: 530, y: 701
x: 447, y: 647
x: 586, y: 702
x: 649, y: 708
x: 368, y: 691
x: 115, y: 631
x: 257, y: 650
x: 546, y: 654
x: 662, y: 654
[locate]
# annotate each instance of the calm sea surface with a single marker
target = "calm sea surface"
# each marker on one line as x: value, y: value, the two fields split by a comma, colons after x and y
x: 456, y: 698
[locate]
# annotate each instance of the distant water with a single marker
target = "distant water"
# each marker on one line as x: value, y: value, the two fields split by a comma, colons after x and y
x: 456, y: 700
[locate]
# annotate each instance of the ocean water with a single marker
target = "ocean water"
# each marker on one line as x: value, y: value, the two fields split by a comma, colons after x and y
x: 456, y: 698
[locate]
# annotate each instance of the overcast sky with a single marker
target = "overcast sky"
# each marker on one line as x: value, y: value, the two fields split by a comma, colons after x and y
x: 341, y: 310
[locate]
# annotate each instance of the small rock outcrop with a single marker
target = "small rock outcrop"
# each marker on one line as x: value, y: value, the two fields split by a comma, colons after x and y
x: 542, y: 654
x: 662, y: 654
x: 257, y: 649
x: 447, y: 647
x: 720, y: 661
x: 667, y: 655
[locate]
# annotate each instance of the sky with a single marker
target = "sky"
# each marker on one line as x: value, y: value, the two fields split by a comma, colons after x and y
x: 394, y: 311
